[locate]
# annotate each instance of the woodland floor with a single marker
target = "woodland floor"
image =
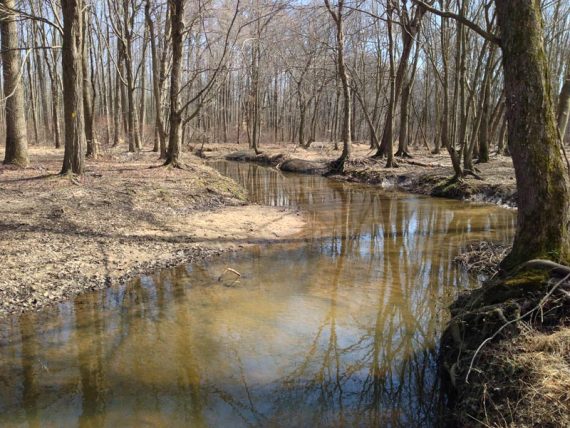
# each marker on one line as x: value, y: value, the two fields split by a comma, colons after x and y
x: 425, y: 173
x: 61, y: 236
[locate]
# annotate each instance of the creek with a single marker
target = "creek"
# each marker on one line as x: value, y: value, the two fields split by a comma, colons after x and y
x: 335, y: 326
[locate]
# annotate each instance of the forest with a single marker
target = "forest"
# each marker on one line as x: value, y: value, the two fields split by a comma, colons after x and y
x: 319, y: 212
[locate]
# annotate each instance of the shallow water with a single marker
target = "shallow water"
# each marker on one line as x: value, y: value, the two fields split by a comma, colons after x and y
x: 334, y: 327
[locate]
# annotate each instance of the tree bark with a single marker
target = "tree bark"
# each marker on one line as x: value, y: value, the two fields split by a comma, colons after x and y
x: 338, y: 165
x: 87, y: 91
x: 177, y: 29
x: 388, y: 135
x: 156, y: 81
x: 564, y: 104
x: 73, y: 159
x: 16, y: 135
x: 542, y: 175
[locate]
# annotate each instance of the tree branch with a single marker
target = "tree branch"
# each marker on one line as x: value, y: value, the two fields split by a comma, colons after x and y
x: 446, y: 14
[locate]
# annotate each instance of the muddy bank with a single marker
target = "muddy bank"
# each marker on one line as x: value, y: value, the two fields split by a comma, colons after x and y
x: 425, y: 173
x: 435, y: 181
x: 301, y: 166
x: 60, y: 237
x: 505, y: 355
x: 259, y: 158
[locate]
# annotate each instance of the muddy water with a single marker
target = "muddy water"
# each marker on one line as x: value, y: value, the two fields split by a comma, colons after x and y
x: 335, y: 327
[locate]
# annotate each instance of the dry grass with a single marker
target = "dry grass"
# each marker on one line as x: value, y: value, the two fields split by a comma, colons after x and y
x: 526, y: 382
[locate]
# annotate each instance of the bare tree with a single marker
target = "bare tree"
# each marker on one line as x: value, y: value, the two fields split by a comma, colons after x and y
x: 542, y: 175
x: 16, y: 135
x: 338, y: 18
x: 74, y: 155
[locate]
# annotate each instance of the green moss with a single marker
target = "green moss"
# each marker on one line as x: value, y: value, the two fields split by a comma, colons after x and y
x: 527, y: 278
x: 452, y: 188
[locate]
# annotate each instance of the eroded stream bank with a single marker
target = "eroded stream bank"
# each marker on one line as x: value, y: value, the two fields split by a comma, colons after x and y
x: 424, y: 174
x: 338, y: 325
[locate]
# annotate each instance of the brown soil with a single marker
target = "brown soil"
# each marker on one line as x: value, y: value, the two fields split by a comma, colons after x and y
x: 425, y: 173
x: 60, y: 236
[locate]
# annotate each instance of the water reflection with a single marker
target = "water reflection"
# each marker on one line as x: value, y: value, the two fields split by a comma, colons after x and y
x: 337, y: 327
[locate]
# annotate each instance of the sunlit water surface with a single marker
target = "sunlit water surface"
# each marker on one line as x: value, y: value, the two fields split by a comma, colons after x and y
x: 338, y: 326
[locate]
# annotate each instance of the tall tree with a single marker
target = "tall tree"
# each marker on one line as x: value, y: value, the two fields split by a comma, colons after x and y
x: 543, y: 187
x: 88, y: 93
x: 338, y: 18
x: 16, y: 135
x: 74, y: 155
x: 564, y: 104
x: 158, y: 74
x: 177, y: 31
x: 542, y: 175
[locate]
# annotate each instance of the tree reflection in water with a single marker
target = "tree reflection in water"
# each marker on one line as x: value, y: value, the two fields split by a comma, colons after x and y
x: 336, y: 327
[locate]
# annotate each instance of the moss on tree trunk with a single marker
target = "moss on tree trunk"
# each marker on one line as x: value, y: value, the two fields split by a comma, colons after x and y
x: 542, y: 175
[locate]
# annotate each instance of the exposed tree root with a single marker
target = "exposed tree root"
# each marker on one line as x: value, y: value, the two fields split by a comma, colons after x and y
x: 336, y: 167
x: 174, y: 164
x: 469, y: 172
x: 392, y: 164
x: 553, y: 267
x: 403, y: 154
x: 486, y: 350
x: 378, y: 155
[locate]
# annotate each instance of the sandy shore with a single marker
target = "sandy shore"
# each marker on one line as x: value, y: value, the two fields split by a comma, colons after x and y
x: 60, y: 237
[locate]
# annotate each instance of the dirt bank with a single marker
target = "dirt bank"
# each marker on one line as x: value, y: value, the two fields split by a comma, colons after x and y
x: 505, y: 355
x: 425, y: 173
x: 59, y: 237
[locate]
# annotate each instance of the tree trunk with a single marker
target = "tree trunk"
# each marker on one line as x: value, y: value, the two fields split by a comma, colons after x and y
x: 410, y: 27
x: 404, y: 123
x: 87, y: 92
x: 119, y: 99
x: 404, y: 109
x: 16, y: 136
x: 302, y: 110
x: 73, y: 159
x: 338, y: 165
x: 156, y: 86
x: 445, y: 125
x: 32, y: 99
x: 174, y: 138
x: 542, y: 175
x: 388, y: 135
x: 142, y: 109
x: 564, y: 105
x: 484, y: 126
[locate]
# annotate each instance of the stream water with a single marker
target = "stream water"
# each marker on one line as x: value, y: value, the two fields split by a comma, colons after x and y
x: 337, y: 326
